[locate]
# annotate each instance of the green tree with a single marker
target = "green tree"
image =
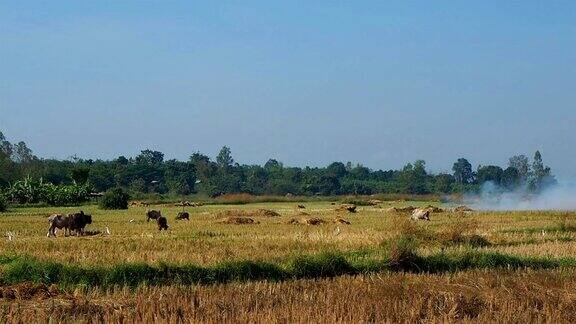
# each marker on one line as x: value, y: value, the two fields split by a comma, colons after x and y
x: 491, y: 173
x: 80, y: 174
x: 180, y: 177
x: 463, y: 173
x: 443, y: 183
x: 256, y: 180
x: 510, y: 179
x: 224, y: 158
x: 336, y: 169
x: 541, y: 175
x: 5, y: 147
x: 520, y: 163
x: 150, y: 158
x: 413, y: 179
x: 114, y: 199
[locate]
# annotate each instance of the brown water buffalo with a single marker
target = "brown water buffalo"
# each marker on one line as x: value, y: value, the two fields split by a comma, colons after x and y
x: 58, y: 221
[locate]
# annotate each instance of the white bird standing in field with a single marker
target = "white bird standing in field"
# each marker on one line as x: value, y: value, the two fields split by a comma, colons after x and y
x: 10, y: 236
x: 107, y: 231
x: 131, y: 221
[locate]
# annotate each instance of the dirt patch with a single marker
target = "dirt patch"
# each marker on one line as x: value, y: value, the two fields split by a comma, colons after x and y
x: 238, y: 220
x: 28, y: 291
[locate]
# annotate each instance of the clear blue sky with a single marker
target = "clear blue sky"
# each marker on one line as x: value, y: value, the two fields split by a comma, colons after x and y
x: 306, y: 82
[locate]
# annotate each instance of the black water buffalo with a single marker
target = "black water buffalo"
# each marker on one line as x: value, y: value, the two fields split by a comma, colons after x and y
x: 78, y: 221
x: 183, y: 215
x: 153, y: 214
x: 162, y: 223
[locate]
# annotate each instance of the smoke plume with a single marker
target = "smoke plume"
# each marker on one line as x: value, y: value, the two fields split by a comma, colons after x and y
x: 561, y: 196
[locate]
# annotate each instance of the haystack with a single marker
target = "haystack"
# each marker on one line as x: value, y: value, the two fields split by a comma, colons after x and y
x: 314, y: 221
x: 341, y: 221
x: 306, y: 221
x: 408, y: 209
x: 463, y: 209
x: 351, y: 208
x: 434, y: 209
x: 374, y: 202
x: 248, y: 213
x: 188, y: 204
x: 238, y: 220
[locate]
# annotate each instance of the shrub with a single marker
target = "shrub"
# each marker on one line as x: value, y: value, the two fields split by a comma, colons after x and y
x: 3, y: 203
x: 411, y: 230
x: 115, y: 199
x: 461, y: 231
x: 403, y: 254
x: 320, y: 266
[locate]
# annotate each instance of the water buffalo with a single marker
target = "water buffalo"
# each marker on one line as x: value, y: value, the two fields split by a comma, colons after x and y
x: 58, y: 221
x: 152, y: 214
x: 78, y: 221
x: 162, y: 223
x: 421, y: 213
x: 183, y: 215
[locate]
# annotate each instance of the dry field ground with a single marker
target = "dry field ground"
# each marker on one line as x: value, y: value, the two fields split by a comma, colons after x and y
x: 490, y: 292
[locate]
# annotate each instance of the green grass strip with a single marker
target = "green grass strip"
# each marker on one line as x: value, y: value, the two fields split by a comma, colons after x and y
x: 27, y: 269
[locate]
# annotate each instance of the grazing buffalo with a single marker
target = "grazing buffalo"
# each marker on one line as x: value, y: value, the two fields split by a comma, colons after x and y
x: 58, y: 221
x: 78, y: 221
x: 152, y: 214
x: 183, y: 215
x: 72, y: 223
x: 421, y: 213
x: 162, y: 223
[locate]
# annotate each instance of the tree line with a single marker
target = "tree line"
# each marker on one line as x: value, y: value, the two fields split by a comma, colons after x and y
x: 149, y: 172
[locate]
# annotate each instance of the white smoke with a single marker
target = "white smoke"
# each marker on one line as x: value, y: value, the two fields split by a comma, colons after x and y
x: 561, y: 196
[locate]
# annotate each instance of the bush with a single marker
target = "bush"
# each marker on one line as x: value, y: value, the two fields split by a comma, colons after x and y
x: 461, y: 231
x: 320, y: 266
x: 403, y: 254
x: 3, y: 203
x: 115, y: 199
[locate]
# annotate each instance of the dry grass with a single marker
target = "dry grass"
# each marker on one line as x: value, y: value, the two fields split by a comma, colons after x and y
x: 204, y: 240
x: 504, y: 297
x: 523, y: 295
